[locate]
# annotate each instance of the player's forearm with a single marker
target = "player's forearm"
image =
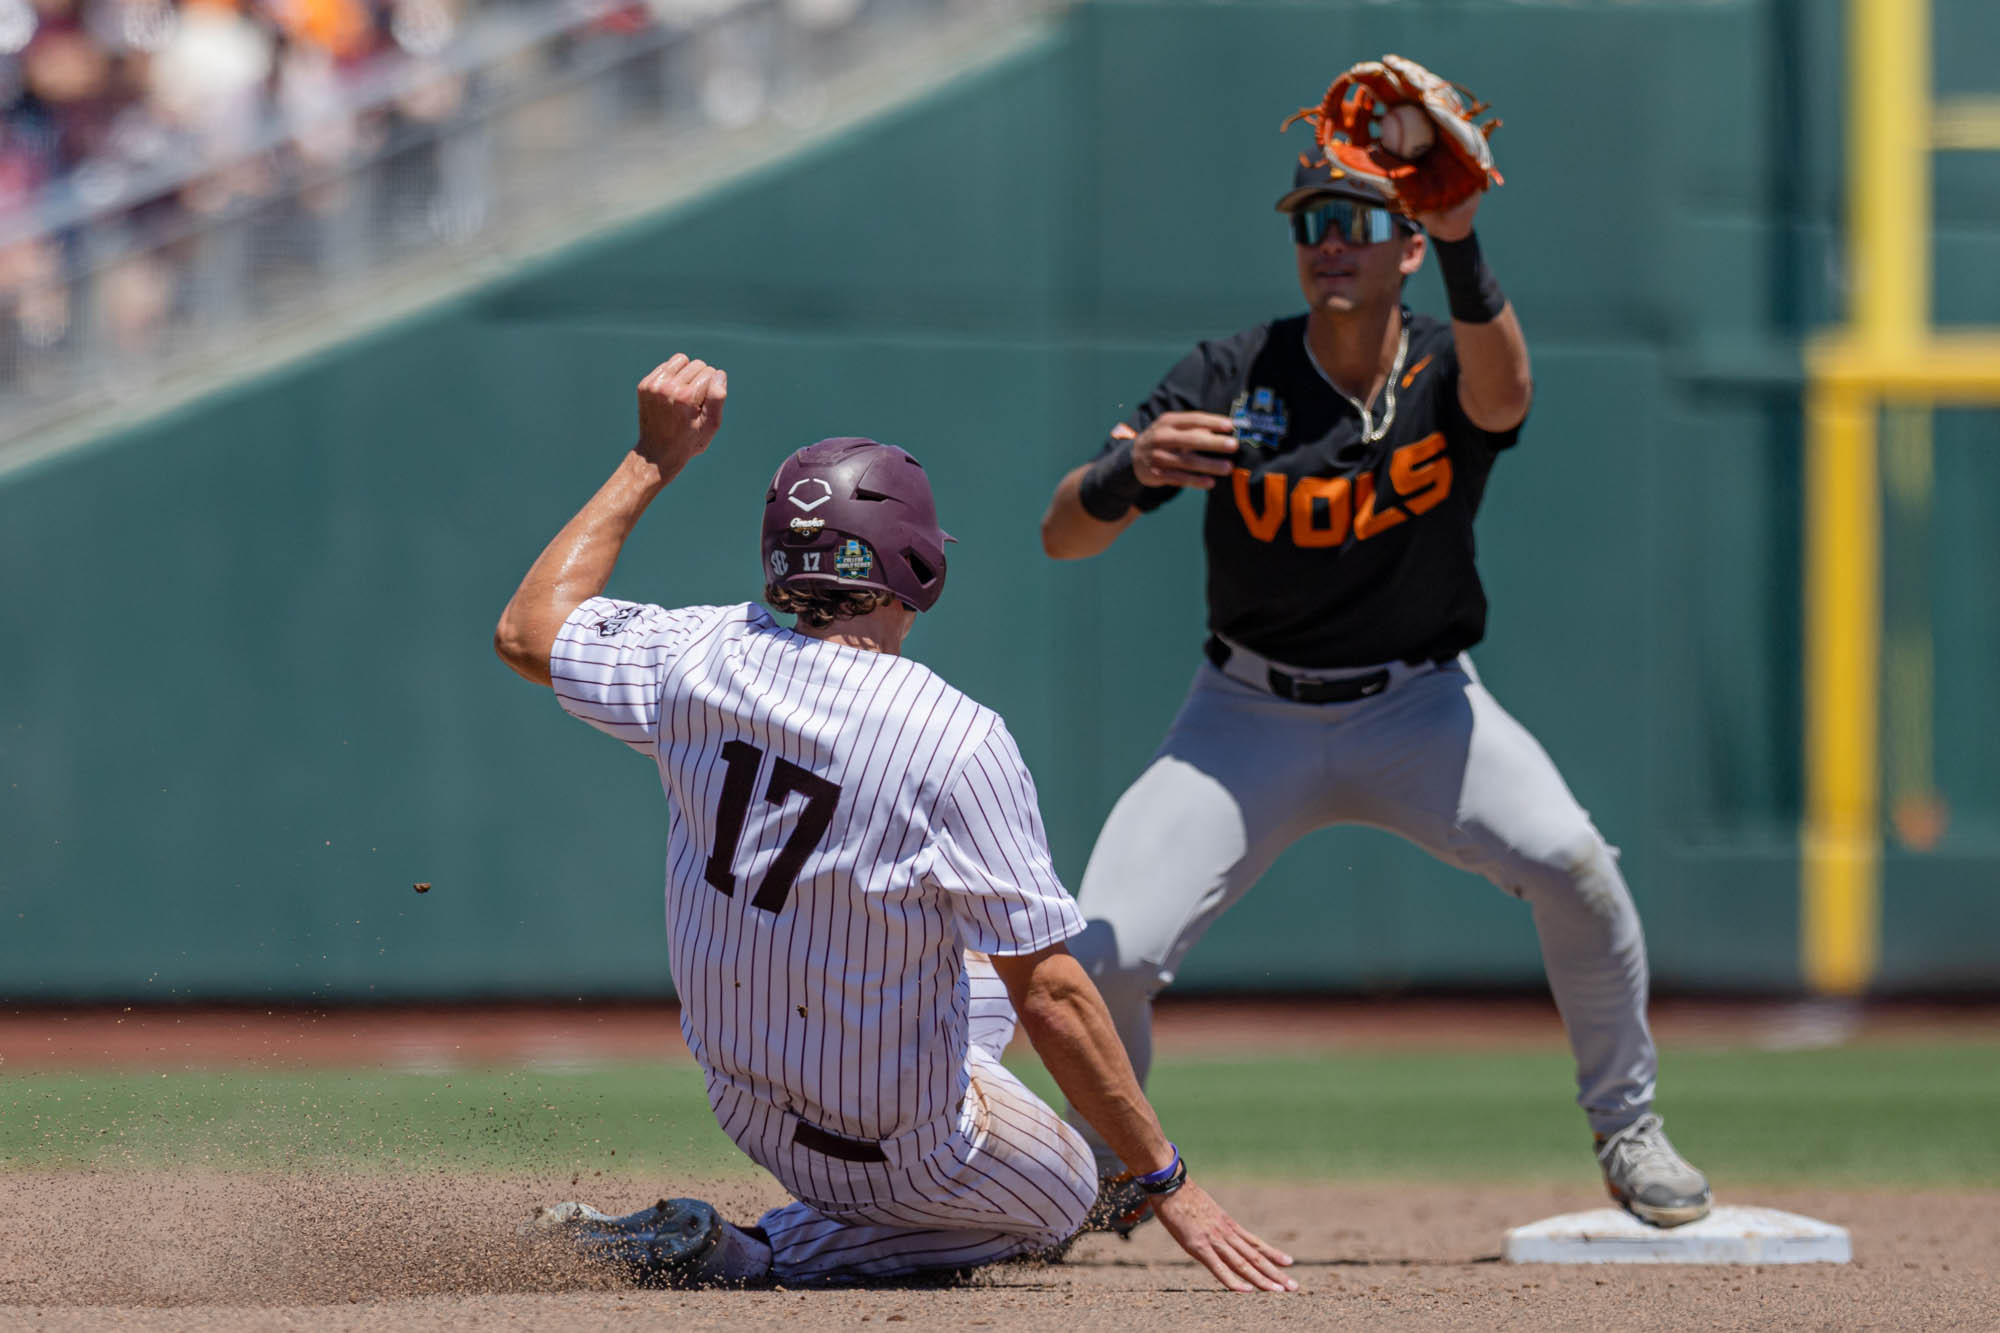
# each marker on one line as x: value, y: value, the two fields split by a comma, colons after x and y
x: 1065, y: 1018
x: 574, y: 567
x: 1070, y: 532
x: 1495, y: 383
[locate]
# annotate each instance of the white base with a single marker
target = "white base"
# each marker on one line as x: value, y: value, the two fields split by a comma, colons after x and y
x: 1725, y: 1236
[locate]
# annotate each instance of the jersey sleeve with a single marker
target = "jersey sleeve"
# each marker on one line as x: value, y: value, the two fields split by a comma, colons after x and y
x: 1198, y: 383
x: 608, y: 663
x: 991, y: 857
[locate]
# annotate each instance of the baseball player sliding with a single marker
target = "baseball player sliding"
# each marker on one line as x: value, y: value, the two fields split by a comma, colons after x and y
x: 846, y: 827
x: 1341, y: 455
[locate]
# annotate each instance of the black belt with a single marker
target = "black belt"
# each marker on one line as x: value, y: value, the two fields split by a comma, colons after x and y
x: 1341, y: 690
x: 830, y: 1144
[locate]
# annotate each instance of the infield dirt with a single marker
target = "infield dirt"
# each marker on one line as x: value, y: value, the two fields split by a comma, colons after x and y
x: 438, y: 1251
x: 437, y: 1248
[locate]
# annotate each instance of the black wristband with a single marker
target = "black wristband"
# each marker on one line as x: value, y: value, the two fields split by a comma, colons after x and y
x: 1469, y: 286
x: 1110, y: 488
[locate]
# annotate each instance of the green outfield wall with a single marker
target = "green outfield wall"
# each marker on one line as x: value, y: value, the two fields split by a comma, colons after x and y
x: 251, y: 699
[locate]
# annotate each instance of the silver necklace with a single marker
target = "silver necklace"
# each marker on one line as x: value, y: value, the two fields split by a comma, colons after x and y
x: 1371, y: 431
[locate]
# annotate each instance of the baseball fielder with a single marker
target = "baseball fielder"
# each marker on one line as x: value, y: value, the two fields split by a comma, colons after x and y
x: 846, y: 827
x: 1340, y: 456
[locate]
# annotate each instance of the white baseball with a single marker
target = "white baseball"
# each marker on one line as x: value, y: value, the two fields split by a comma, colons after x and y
x: 1405, y: 131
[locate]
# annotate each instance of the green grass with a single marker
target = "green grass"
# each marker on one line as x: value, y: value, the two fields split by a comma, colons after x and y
x: 362, y: 1119
x: 1918, y: 1115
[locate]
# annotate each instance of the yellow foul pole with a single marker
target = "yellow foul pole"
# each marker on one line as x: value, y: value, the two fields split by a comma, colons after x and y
x: 1889, y: 172
x: 1840, y: 912
x: 1889, y: 224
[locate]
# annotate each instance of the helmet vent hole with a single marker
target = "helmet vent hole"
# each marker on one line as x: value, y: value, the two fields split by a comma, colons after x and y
x: 863, y: 493
x: 920, y: 567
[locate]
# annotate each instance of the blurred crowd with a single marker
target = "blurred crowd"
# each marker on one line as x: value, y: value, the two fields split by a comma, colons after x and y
x: 142, y: 115
x: 107, y: 85
x: 172, y: 168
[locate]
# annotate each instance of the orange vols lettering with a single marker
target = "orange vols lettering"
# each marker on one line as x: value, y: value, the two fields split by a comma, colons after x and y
x: 1333, y: 490
x: 1367, y: 522
x: 1264, y: 527
x: 1419, y: 478
x: 1415, y: 370
x: 1421, y: 474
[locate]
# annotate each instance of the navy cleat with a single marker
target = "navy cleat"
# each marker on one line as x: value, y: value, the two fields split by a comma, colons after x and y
x: 677, y: 1243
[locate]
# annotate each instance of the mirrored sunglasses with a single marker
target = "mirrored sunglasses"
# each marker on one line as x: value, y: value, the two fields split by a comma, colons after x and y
x: 1354, y: 222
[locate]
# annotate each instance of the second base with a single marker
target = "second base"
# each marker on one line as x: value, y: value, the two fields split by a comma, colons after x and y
x: 1726, y: 1236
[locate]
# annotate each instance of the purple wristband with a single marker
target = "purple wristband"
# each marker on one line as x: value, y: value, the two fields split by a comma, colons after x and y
x: 1167, y: 1179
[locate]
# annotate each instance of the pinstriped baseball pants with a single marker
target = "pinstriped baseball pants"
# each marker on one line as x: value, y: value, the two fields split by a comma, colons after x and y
x: 1007, y: 1178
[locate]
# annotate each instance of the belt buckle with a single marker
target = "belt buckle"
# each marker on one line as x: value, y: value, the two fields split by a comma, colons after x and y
x: 1337, y: 690
x: 1317, y: 691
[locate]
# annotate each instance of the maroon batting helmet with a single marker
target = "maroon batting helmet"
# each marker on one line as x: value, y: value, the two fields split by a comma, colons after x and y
x: 852, y: 513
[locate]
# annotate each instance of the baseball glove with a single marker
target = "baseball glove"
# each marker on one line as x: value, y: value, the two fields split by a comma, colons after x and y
x: 1120, y: 1208
x: 1121, y: 1205
x: 1459, y: 164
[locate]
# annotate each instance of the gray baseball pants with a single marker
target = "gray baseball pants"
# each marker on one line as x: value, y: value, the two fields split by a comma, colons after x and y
x: 1243, y: 774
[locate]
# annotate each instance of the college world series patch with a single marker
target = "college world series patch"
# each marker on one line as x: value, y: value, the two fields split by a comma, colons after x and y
x: 1259, y: 418
x: 854, y: 560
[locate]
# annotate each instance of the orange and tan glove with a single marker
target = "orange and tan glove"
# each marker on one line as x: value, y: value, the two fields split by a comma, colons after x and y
x: 1457, y: 165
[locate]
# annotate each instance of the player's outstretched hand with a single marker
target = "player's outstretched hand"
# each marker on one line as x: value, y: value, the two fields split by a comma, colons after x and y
x: 1238, y: 1259
x: 680, y: 408
x: 1181, y: 449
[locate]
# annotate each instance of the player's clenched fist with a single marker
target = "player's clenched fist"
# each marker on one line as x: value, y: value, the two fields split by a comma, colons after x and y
x: 1181, y: 449
x: 680, y: 407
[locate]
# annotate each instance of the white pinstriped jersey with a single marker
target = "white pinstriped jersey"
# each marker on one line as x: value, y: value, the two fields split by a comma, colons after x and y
x: 846, y: 825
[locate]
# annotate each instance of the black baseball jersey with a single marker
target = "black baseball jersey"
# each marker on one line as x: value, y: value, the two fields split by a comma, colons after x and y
x: 1323, y: 550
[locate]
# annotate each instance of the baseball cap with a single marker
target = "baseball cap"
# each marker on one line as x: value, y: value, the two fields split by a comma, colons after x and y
x: 1318, y: 179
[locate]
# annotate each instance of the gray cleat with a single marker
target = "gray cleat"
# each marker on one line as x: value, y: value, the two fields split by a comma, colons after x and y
x: 675, y: 1243
x: 1648, y: 1179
